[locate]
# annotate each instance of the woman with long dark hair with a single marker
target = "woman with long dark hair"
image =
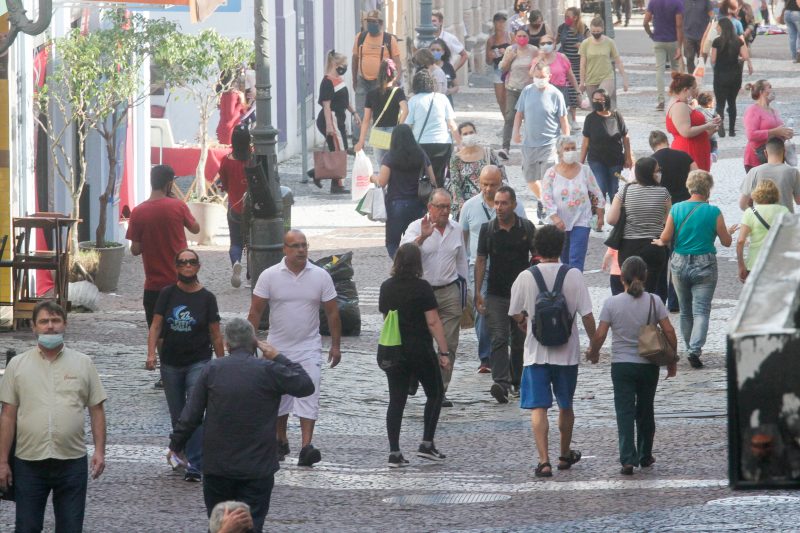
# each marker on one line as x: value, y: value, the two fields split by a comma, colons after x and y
x: 401, y: 168
x: 233, y: 180
x: 634, y: 378
x: 384, y: 108
x: 727, y: 54
x: 647, y: 204
x: 433, y: 120
x: 413, y: 299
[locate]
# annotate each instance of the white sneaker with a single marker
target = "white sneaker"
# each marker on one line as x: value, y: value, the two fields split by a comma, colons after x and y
x: 236, y: 277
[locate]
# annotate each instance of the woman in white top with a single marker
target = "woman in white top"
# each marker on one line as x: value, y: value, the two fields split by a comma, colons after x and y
x: 634, y: 378
x: 432, y: 118
x: 570, y: 194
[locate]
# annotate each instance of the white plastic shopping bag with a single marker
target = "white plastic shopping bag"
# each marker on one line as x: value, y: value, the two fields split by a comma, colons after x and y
x: 362, y: 172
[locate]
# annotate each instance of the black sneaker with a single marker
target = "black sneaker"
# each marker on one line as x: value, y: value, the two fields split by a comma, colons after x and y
x: 503, y: 154
x: 158, y: 385
x: 430, y: 452
x: 309, y: 456
x: 446, y: 402
x: 499, y: 393
x: 283, y: 450
x: 192, y: 477
x: 540, y: 214
x: 397, y: 461
x: 339, y: 190
x: 694, y: 360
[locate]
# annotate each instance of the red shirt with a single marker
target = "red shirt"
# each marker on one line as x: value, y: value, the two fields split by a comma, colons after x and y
x: 234, y: 181
x: 158, y: 226
x: 230, y: 114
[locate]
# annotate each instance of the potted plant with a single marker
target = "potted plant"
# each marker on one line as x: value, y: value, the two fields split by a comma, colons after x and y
x: 95, y: 82
x: 203, y: 67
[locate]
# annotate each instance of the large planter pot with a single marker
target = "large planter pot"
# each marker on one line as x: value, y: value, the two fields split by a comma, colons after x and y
x: 213, y: 220
x: 110, y: 264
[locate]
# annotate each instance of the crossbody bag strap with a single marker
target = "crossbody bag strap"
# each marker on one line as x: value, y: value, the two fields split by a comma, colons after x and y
x: 760, y: 218
x: 430, y: 108
x: 386, y: 106
x: 695, y: 208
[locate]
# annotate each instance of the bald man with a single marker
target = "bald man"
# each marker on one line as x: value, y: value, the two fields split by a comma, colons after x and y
x: 294, y: 290
x: 474, y: 213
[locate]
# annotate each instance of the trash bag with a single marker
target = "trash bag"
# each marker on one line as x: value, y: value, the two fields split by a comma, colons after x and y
x: 341, y: 270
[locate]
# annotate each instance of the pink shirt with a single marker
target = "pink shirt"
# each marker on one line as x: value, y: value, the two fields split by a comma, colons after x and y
x: 757, y: 123
x: 558, y: 70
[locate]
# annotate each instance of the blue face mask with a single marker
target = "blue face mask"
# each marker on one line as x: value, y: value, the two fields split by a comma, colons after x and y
x: 51, y: 341
x: 437, y: 55
x: 373, y: 28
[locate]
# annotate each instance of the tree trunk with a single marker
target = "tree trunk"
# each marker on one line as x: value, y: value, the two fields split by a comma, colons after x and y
x: 200, y: 172
x: 100, y: 233
x: 76, y: 214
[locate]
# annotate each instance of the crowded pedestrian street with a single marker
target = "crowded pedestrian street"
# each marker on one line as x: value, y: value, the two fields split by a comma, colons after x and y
x: 487, y: 482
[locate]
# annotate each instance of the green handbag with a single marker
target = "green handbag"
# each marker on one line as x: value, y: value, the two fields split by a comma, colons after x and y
x: 390, y: 345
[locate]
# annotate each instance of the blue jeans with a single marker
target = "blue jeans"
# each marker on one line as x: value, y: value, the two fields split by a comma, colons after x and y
x: 607, y: 178
x: 235, y: 231
x: 792, y: 19
x: 399, y: 214
x: 33, y: 481
x: 576, y: 242
x: 254, y: 492
x: 481, y: 324
x: 695, y: 278
x: 179, y: 382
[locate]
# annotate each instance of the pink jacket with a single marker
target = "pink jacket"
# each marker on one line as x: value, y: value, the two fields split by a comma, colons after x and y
x: 757, y: 123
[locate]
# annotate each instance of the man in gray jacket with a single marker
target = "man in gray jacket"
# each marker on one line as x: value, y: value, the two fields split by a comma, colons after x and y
x: 239, y: 396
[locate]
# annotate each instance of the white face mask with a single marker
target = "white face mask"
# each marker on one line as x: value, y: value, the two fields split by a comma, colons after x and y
x: 547, y: 48
x: 469, y: 140
x: 540, y: 83
x: 571, y: 157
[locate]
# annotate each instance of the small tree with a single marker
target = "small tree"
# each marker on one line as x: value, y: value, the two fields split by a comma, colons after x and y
x: 204, y: 66
x: 96, y: 80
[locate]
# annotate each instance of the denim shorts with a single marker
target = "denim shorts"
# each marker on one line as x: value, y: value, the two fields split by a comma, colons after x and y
x: 541, y: 382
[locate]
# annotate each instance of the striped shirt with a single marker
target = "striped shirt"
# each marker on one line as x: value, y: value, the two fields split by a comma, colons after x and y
x: 645, y: 209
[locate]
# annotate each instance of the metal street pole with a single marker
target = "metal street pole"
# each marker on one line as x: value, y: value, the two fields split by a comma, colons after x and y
x: 263, y: 183
x: 425, y: 30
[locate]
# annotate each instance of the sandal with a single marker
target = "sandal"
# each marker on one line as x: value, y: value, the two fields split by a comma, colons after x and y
x: 564, y: 463
x: 540, y: 472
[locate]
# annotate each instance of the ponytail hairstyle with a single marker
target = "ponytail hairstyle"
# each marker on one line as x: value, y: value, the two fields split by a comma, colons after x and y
x: 756, y: 88
x: 386, y: 73
x: 634, y: 274
x: 333, y: 58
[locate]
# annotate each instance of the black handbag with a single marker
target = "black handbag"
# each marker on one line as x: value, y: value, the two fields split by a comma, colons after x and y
x: 761, y: 154
x: 425, y: 187
x: 614, y: 240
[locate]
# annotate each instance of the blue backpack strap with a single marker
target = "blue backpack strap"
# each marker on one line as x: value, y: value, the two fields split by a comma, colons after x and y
x: 562, y: 273
x: 537, y: 276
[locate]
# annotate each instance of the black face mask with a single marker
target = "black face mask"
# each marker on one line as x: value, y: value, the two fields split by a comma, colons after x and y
x: 597, y: 36
x: 598, y: 106
x: 187, y: 279
x: 341, y: 70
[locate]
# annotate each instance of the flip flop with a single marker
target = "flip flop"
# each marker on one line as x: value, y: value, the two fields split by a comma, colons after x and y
x: 564, y: 463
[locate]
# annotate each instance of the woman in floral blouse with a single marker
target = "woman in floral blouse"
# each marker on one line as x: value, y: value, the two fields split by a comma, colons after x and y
x: 570, y: 195
x: 466, y: 166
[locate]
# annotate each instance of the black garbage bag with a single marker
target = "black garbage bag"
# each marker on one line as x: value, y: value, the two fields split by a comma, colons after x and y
x: 346, y: 295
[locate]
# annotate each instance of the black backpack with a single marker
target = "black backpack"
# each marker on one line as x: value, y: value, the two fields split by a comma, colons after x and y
x: 552, y: 321
x: 386, y: 45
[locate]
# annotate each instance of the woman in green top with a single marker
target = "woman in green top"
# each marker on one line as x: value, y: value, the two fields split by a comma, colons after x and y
x: 756, y: 222
x: 597, y: 69
x: 693, y: 226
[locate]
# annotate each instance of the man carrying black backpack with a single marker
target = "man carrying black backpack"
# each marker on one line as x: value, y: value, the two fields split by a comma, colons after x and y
x: 544, y: 301
x: 370, y: 47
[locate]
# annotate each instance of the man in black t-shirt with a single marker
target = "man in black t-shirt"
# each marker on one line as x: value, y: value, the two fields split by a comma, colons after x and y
x: 507, y: 241
x: 675, y: 167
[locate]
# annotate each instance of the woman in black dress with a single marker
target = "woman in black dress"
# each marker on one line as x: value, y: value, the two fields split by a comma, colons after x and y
x: 335, y: 100
x: 413, y: 299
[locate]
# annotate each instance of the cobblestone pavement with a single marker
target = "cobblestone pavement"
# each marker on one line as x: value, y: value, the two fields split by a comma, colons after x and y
x: 490, y: 450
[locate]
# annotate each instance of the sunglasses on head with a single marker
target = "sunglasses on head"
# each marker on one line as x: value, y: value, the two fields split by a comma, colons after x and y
x: 184, y: 262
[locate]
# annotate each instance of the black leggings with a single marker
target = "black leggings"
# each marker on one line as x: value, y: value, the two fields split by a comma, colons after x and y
x: 726, y: 89
x: 425, y: 368
x: 655, y: 257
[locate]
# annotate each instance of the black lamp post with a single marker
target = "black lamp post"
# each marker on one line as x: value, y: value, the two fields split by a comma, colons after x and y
x: 426, y: 32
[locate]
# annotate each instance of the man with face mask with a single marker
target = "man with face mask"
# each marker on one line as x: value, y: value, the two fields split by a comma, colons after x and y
x: 370, y: 48
x: 506, y: 243
x: 444, y: 266
x: 542, y: 108
x: 458, y: 54
x: 48, y: 387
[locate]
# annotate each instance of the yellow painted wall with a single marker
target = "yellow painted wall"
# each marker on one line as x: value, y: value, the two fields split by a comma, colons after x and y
x: 5, y: 174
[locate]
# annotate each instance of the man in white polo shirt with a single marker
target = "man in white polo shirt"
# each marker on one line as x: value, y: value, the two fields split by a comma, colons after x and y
x: 294, y: 289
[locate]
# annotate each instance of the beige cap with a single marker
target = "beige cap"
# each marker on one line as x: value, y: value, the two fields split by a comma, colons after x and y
x: 375, y: 14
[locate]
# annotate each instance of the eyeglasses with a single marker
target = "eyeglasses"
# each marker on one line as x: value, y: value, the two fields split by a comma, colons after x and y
x: 440, y: 206
x: 298, y: 245
x: 184, y: 262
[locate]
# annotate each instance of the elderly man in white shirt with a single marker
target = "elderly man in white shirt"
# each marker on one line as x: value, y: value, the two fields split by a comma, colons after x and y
x: 444, y: 266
